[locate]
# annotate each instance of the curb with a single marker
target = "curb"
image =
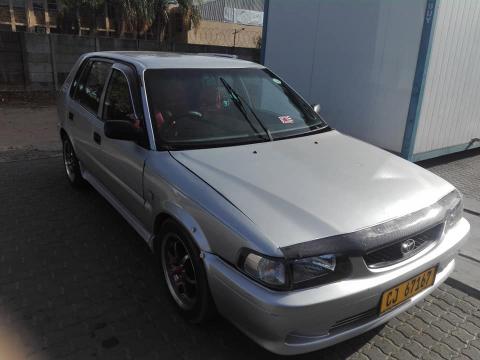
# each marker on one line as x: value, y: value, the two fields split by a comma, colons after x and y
x: 459, y: 285
x: 471, y: 205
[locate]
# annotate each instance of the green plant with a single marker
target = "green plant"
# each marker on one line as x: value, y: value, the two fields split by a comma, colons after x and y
x: 137, y: 16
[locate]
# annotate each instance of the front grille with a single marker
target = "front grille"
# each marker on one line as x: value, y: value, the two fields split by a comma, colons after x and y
x: 354, y: 320
x: 392, y: 253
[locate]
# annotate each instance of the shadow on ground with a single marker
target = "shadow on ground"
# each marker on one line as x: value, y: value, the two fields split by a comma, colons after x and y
x: 75, y: 279
x: 442, y: 160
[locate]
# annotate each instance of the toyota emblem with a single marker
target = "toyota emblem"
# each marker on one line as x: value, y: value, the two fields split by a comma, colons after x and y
x: 407, y: 246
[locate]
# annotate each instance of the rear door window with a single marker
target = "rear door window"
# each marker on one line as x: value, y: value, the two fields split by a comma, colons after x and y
x: 90, y: 87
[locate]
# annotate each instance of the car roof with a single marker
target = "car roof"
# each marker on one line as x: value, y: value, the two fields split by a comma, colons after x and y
x: 170, y: 60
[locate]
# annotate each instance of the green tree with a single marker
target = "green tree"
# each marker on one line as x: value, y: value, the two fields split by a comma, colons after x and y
x: 190, y: 13
x: 68, y: 15
x: 93, y: 6
x: 137, y: 16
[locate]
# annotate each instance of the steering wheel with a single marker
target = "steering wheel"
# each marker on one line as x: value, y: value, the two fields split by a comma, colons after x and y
x: 192, y: 116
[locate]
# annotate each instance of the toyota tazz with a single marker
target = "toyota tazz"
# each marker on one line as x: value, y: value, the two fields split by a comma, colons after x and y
x: 299, y: 235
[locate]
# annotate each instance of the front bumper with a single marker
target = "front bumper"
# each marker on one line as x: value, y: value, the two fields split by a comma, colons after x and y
x: 305, y: 320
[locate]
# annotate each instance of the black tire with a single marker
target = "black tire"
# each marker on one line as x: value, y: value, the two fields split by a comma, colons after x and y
x: 195, y: 304
x: 72, y: 167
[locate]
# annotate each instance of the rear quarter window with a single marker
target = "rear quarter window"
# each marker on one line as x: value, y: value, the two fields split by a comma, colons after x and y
x: 78, y: 75
x: 91, y: 83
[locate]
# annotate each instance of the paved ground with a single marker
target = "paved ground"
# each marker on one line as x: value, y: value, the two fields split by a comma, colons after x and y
x: 467, y: 269
x: 462, y: 170
x: 28, y: 126
x: 77, y: 282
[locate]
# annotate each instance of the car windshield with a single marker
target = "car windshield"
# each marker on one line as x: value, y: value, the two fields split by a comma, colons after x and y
x: 218, y: 107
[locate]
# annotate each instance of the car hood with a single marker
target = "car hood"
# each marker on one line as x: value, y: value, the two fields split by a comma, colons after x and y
x: 315, y: 186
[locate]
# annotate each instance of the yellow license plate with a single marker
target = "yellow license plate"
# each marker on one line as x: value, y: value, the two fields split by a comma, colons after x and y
x: 398, y: 294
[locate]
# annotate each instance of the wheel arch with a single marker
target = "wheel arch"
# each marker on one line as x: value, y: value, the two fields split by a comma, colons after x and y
x: 180, y: 216
x: 63, y: 134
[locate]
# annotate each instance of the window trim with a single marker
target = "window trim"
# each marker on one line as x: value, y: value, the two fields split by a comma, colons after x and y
x: 122, y: 67
x: 138, y: 75
x: 132, y: 102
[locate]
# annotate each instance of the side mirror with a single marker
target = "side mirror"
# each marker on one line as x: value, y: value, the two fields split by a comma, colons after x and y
x: 120, y: 130
x: 316, y: 108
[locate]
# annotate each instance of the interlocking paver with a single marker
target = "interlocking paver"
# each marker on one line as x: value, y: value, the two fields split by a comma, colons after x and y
x: 78, y: 282
x: 374, y: 353
x: 435, y: 333
x: 462, y: 170
x: 431, y: 356
x: 407, y: 330
x: 416, y: 349
x: 444, y: 351
x: 426, y: 340
x: 463, y: 335
x: 386, y: 346
x: 471, y: 328
x: 404, y: 354
x: 471, y: 353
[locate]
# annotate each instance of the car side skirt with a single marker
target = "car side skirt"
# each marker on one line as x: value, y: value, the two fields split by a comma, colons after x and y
x: 146, y: 235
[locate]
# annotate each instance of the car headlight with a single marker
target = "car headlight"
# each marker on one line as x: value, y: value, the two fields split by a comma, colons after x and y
x: 453, y: 204
x: 267, y: 270
x: 280, y: 273
x: 312, y: 267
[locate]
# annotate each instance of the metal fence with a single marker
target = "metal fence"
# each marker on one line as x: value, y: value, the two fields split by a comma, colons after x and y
x: 224, y: 10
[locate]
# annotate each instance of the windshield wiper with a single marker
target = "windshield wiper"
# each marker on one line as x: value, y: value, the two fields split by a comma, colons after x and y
x: 239, y: 102
x: 319, y: 129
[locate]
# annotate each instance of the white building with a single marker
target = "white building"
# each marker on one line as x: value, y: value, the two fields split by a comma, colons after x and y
x: 403, y: 75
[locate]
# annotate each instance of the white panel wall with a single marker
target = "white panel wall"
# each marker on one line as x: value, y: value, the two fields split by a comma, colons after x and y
x: 450, y: 112
x: 356, y: 58
x: 290, y: 40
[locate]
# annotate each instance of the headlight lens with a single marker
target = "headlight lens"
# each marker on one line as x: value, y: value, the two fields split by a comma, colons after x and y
x: 266, y: 270
x: 312, y: 267
x: 453, y: 203
x: 288, y: 274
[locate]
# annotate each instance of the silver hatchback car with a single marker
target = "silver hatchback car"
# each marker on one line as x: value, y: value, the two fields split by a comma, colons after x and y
x: 299, y: 235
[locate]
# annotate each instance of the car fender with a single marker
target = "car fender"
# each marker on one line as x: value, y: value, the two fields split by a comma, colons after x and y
x: 188, y: 222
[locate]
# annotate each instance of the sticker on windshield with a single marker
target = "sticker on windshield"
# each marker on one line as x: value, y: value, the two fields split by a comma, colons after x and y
x: 287, y: 119
x: 276, y: 81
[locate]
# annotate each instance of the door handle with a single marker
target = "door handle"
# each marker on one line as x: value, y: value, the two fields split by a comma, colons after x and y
x: 97, y: 138
x: 70, y: 116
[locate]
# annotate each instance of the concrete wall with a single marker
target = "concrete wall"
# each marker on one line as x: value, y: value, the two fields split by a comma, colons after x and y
x: 357, y: 58
x: 222, y: 34
x: 32, y: 62
x: 11, y: 61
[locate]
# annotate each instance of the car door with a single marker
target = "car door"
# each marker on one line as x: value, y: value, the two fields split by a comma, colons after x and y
x: 84, y: 109
x: 122, y: 161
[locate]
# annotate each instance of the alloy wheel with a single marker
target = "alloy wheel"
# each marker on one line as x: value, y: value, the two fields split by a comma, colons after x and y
x: 69, y: 160
x: 179, y: 271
